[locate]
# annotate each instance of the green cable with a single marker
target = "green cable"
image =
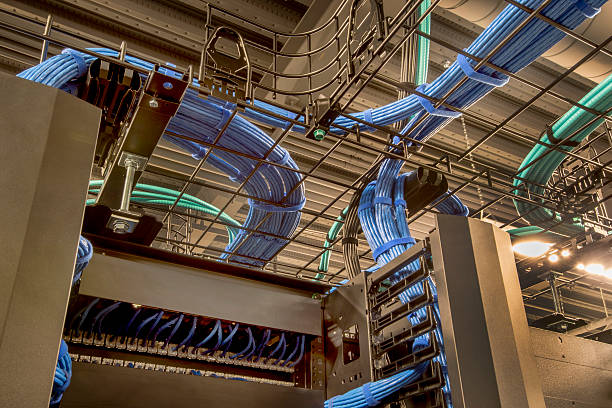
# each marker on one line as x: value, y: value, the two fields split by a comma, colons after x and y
x: 329, y: 239
x: 599, y: 99
x: 420, y: 78
x: 148, y: 194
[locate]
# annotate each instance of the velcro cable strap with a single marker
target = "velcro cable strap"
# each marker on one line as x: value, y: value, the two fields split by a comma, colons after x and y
x: 388, y: 245
x: 350, y: 240
x: 427, y: 105
x: 556, y: 141
x: 383, y: 200
x: 78, y: 59
x: 468, y: 70
x: 367, y: 115
x: 275, y: 207
x: 586, y: 9
x: 367, y: 395
x: 226, y: 112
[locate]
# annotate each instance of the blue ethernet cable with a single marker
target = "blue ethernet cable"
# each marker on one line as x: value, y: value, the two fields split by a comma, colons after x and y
x: 163, y: 327
x: 262, y: 346
x: 227, y: 342
x: 174, y: 330
x: 295, y: 349
x: 246, y: 349
x: 187, y: 340
x: 301, y: 355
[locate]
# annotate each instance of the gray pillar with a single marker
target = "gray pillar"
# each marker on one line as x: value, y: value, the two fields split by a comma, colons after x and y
x: 486, y: 338
x: 47, y: 141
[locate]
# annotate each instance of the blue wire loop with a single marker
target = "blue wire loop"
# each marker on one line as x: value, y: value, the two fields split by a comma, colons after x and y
x: 497, y: 79
x: 428, y: 106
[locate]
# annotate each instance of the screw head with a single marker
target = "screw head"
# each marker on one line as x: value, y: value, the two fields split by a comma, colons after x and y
x: 121, y: 227
x: 153, y: 103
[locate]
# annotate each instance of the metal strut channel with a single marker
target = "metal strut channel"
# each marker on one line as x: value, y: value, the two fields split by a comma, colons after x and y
x: 159, y: 102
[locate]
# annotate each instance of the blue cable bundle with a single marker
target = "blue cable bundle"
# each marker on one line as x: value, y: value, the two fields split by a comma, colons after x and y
x: 84, y: 254
x: 382, y: 206
x: 525, y: 47
x: 63, y: 373
x: 203, y: 119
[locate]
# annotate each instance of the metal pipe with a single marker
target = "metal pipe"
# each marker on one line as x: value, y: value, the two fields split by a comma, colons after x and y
x: 45, y: 45
x: 565, y: 53
x: 130, y: 172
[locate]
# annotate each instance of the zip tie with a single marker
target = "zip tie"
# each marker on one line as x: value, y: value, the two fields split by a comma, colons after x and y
x: 225, y: 115
x: 78, y: 59
x: 400, y: 202
x: 367, y: 394
x: 586, y: 9
x: 388, y: 245
x: 427, y: 105
x: 276, y: 208
x: 556, y: 141
x: 496, y: 80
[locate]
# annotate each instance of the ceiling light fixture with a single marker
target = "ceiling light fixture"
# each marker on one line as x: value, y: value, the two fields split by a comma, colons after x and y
x: 553, y: 258
x: 531, y: 248
x: 565, y: 253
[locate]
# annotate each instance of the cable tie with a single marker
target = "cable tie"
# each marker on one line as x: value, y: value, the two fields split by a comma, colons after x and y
x: 350, y: 240
x: 400, y: 202
x: 426, y: 104
x: 237, y: 178
x: 78, y: 59
x: 367, y: 115
x: 383, y: 200
x: 225, y: 115
x: 388, y: 245
x: 497, y: 79
x: 367, y: 394
x: 276, y: 208
x: 559, y: 142
x: 586, y: 9
x: 285, y: 159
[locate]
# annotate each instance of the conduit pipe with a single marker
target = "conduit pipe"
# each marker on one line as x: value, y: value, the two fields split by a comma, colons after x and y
x: 566, y: 52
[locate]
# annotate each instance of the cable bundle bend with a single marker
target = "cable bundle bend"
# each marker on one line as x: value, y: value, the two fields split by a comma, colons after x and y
x: 63, y: 374
x: 527, y: 45
x: 278, y: 190
x: 576, y: 125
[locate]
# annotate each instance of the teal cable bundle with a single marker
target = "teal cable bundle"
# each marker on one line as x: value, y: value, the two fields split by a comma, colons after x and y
x: 577, y: 121
x: 148, y: 194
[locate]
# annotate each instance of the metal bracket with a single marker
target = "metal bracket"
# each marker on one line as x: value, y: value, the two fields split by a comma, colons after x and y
x: 322, y: 116
x: 160, y: 99
x: 363, y: 40
x: 230, y: 79
x: 114, y: 89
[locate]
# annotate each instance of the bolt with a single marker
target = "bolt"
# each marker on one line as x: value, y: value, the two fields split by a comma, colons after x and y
x: 121, y: 227
x: 446, y: 63
x: 167, y: 85
x: 153, y: 103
